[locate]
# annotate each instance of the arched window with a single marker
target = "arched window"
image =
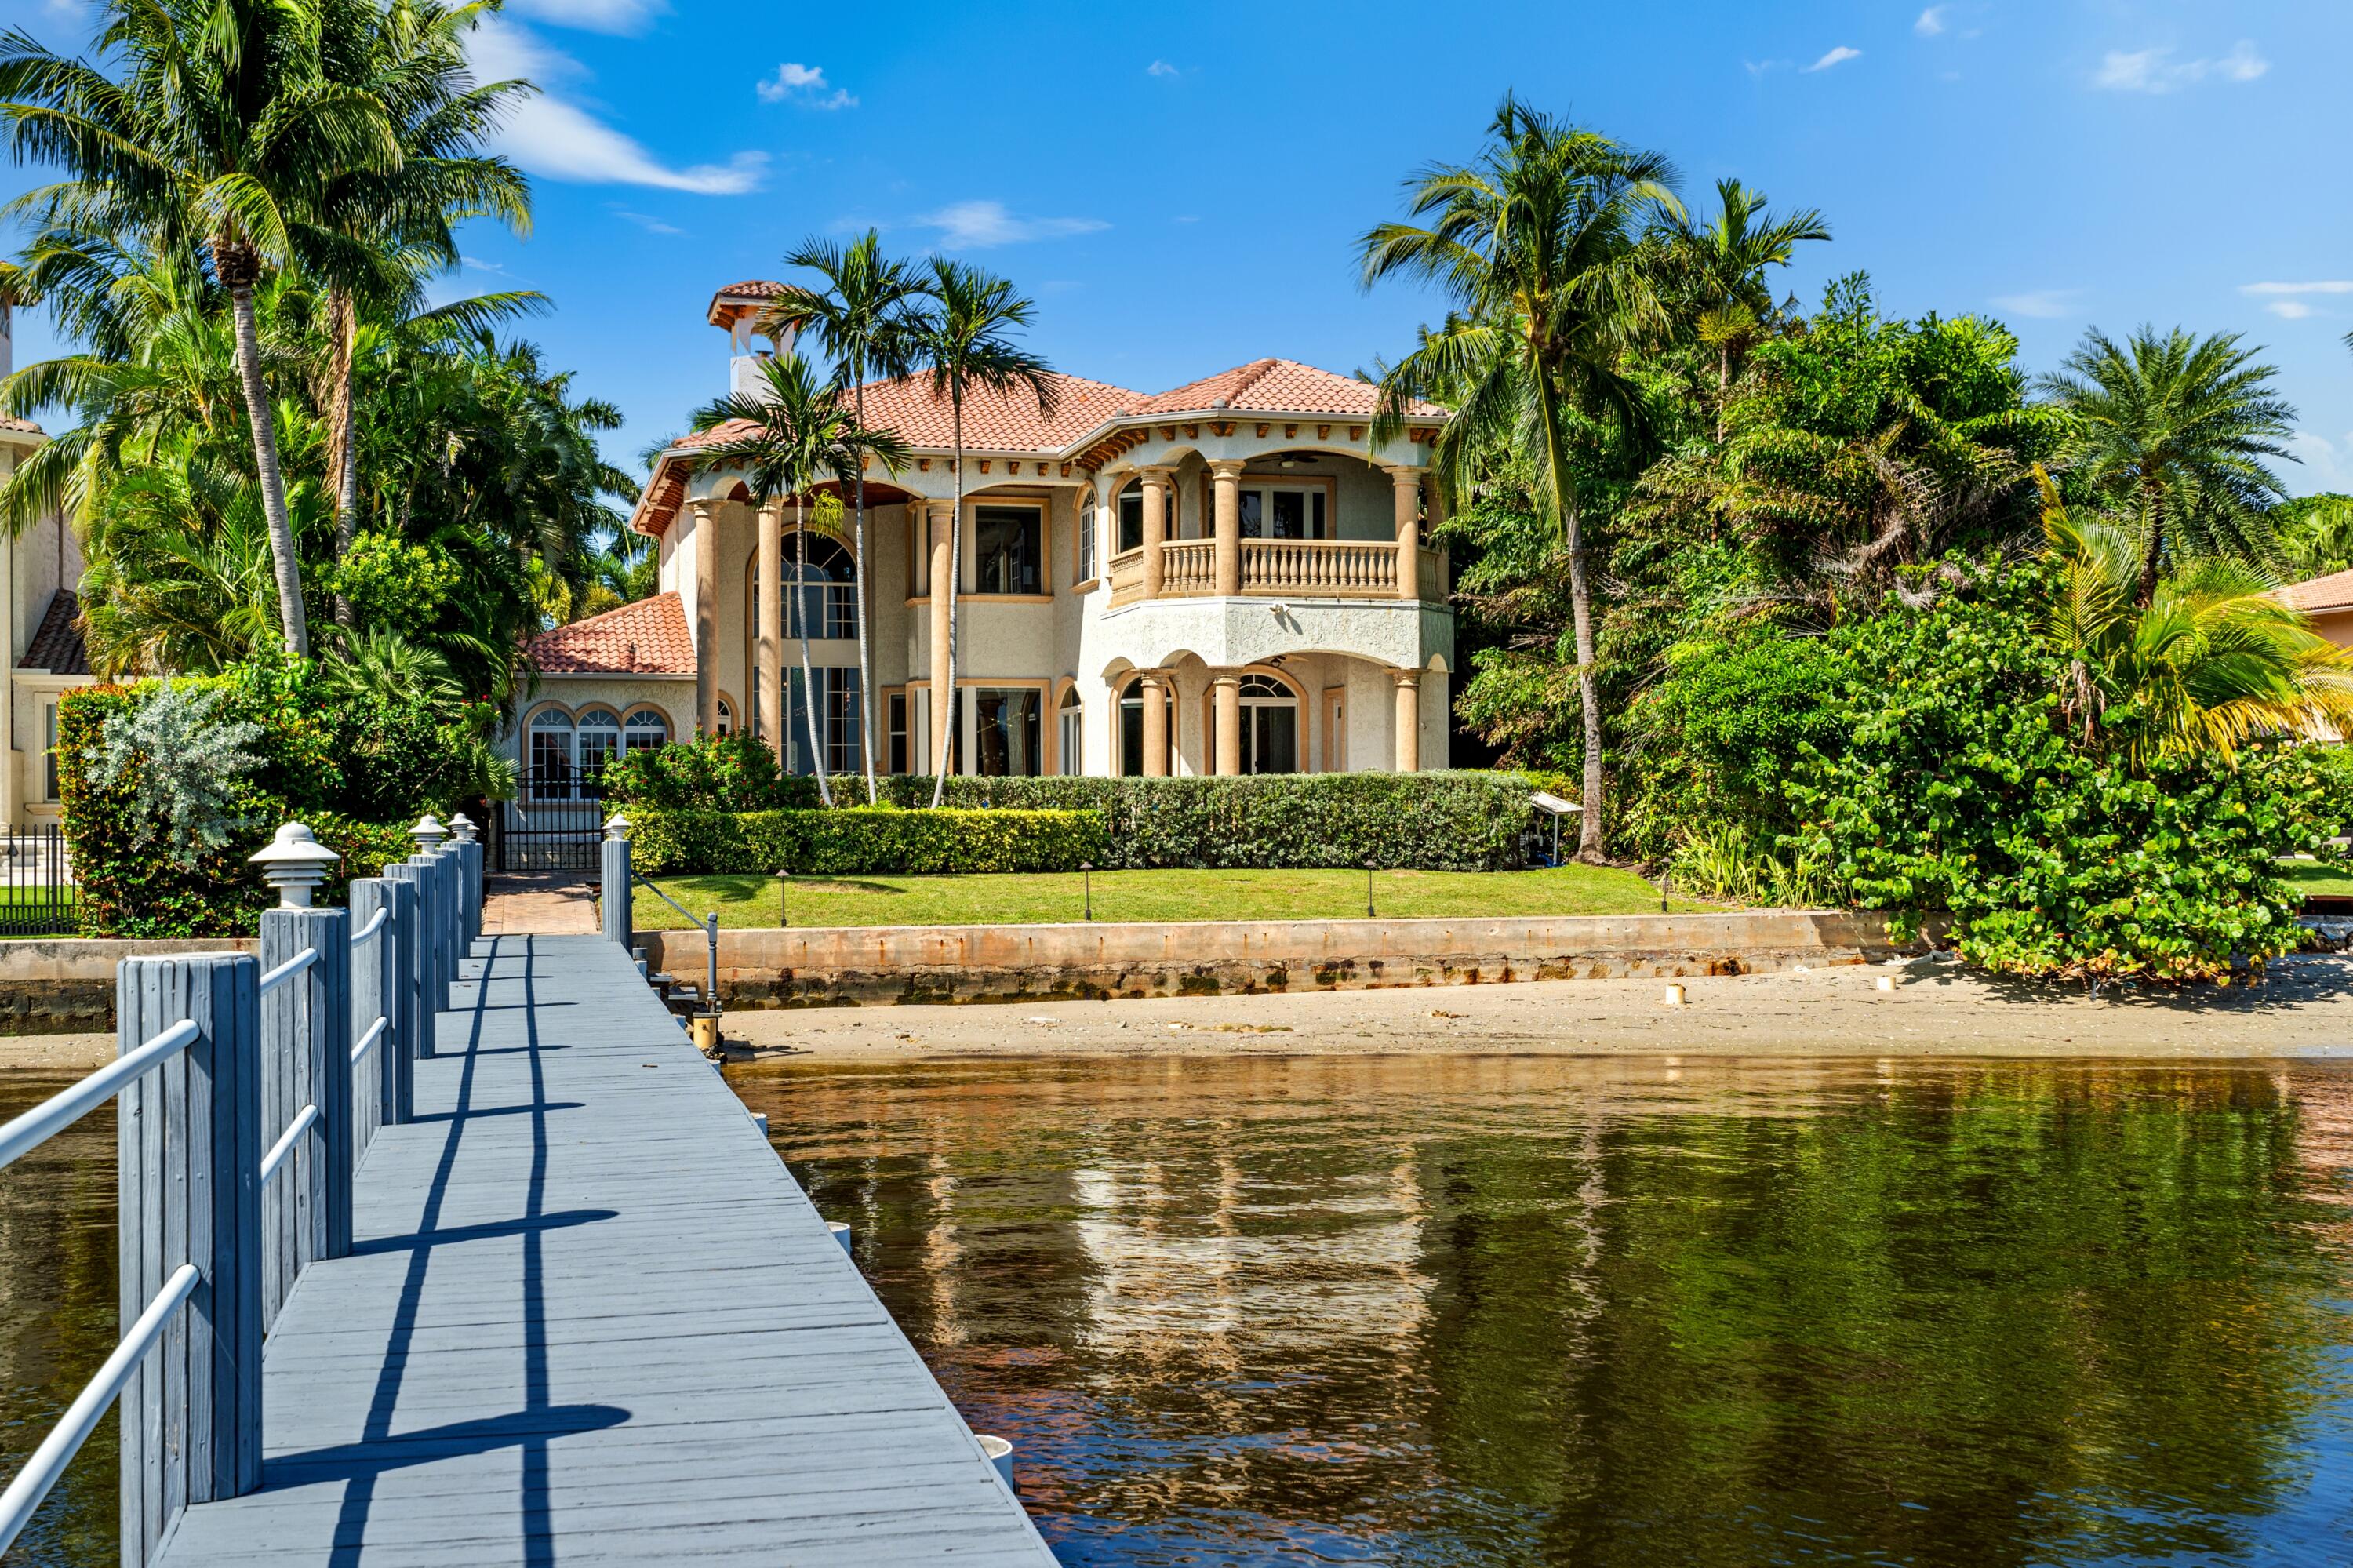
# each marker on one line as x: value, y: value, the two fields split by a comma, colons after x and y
x: 644, y: 730
x: 1070, y: 719
x: 1086, y: 551
x: 1131, y: 725
x: 1269, y: 725
x: 549, y: 757
x: 1131, y: 514
x: 726, y: 717
x: 827, y: 598
x: 599, y: 743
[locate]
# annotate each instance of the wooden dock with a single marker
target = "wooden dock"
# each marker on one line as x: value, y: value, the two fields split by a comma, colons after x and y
x: 589, y: 1317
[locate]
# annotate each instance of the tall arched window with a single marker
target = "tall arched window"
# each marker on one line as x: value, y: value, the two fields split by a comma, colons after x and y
x: 726, y: 717
x: 1269, y: 725
x: 1131, y: 725
x: 644, y: 730
x: 826, y: 598
x: 1086, y: 551
x: 1131, y: 516
x: 549, y: 757
x: 1070, y: 730
x: 599, y: 743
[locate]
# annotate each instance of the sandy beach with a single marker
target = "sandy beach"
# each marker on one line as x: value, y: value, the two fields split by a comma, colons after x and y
x: 1936, y: 1009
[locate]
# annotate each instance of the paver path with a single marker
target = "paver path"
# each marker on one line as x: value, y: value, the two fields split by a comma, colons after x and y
x: 591, y: 1318
x: 543, y: 903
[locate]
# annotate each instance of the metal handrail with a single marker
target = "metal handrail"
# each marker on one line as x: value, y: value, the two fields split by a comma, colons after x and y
x: 709, y: 924
x: 289, y: 969
x: 367, y: 1041
x: 376, y: 923
x: 60, y: 1111
x: 48, y: 1462
x: 279, y: 1150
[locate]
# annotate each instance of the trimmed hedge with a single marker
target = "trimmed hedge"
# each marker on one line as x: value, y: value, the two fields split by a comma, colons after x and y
x: 1464, y: 821
x: 863, y: 841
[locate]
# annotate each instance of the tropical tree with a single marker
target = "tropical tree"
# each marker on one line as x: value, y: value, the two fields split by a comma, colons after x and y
x: 960, y: 340
x: 2172, y: 431
x: 863, y: 317
x: 2315, y: 534
x: 2210, y: 662
x: 1719, y: 269
x: 1538, y: 247
x: 218, y: 135
x: 788, y: 434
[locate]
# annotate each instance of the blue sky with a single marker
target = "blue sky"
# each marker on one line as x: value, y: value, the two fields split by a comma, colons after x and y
x: 1179, y: 188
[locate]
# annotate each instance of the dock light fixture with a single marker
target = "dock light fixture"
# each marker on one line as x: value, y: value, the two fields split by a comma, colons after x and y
x: 1370, y: 867
x: 784, y: 884
x: 1087, y: 875
x: 463, y: 826
x: 428, y: 833
x: 294, y: 862
x: 1663, y: 893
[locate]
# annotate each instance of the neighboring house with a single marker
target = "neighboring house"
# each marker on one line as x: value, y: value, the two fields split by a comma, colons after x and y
x: 40, y: 627
x: 1226, y: 577
x: 2327, y: 602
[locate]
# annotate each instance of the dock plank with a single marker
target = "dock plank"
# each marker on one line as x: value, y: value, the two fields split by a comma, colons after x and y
x: 590, y: 1318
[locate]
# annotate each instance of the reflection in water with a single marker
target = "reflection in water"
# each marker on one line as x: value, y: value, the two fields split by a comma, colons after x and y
x: 1495, y: 1310
x: 57, y: 1288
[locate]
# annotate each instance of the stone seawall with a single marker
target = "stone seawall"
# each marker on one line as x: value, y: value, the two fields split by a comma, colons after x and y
x: 843, y: 966
x: 65, y: 985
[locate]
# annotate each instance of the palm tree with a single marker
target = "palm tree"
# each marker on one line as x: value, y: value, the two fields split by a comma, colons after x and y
x: 1538, y: 248
x: 862, y: 318
x: 796, y: 429
x: 2211, y: 661
x: 2173, y: 430
x: 1720, y: 268
x: 383, y: 233
x: 219, y: 138
x: 960, y: 342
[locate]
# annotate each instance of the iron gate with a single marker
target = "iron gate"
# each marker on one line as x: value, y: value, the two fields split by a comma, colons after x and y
x: 555, y: 823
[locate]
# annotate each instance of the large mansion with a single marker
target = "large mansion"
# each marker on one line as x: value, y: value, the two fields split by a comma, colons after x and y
x: 1228, y: 578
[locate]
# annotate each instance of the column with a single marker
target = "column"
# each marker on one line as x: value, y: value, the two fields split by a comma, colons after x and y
x: 1226, y: 695
x: 1154, y: 684
x: 1408, y: 530
x: 768, y: 637
x: 706, y: 617
x: 1228, y: 529
x: 1155, y: 526
x: 943, y: 576
x: 1408, y: 720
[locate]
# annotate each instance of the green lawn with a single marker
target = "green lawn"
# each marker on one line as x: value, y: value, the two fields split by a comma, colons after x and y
x: 1152, y: 896
x: 2311, y: 878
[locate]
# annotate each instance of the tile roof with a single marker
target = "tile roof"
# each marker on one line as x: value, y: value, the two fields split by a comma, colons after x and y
x: 993, y: 422
x: 2333, y: 591
x: 751, y: 289
x: 1278, y: 386
x: 9, y: 422
x: 647, y: 638
x: 57, y: 644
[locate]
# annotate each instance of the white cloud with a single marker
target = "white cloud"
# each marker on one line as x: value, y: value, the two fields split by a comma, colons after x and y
x: 2323, y: 459
x: 1838, y: 56
x: 2042, y: 304
x: 1931, y: 22
x: 805, y: 85
x: 592, y: 16
x: 1759, y: 67
x: 2289, y: 309
x: 2156, y: 71
x: 550, y: 136
x: 650, y: 224
x: 2318, y: 286
x: 977, y: 225
x: 476, y: 264
x: 1161, y: 67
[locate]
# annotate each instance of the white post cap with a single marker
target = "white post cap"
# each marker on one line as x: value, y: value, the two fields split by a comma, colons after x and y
x: 427, y: 832
x: 463, y: 826
x: 617, y: 827
x: 294, y: 862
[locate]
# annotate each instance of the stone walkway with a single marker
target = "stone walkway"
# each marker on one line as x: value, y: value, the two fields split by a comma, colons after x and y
x: 540, y: 903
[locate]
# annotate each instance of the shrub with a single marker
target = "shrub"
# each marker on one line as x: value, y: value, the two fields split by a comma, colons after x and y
x: 864, y: 840
x: 708, y: 773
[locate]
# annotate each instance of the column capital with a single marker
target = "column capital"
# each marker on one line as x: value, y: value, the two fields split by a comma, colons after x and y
x: 1160, y: 680
x: 1225, y: 677
x: 1405, y: 473
x: 701, y: 506
x: 1227, y: 468
x: 1406, y: 678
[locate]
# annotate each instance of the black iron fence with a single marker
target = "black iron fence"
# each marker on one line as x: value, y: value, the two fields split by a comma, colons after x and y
x: 38, y: 896
x: 554, y: 823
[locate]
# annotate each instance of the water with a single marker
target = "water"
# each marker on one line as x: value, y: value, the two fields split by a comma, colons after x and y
x: 1503, y: 1311
x: 1521, y: 1311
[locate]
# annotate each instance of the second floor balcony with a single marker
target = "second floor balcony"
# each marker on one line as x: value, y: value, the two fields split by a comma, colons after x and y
x: 1277, y: 568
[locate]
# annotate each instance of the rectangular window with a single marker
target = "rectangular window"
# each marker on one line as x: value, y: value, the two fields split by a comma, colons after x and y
x: 1287, y: 513
x: 1086, y: 551
x: 1007, y: 549
x: 1006, y: 737
x: 1131, y: 522
x: 1253, y: 510
x: 897, y: 715
x: 919, y: 555
x: 836, y: 720
x: 48, y: 751
x: 1073, y: 737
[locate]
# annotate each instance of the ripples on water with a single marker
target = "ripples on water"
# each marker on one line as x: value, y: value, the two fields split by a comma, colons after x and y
x: 1462, y: 1310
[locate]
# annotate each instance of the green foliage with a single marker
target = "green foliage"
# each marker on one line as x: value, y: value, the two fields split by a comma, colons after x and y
x: 392, y: 583
x: 708, y: 773
x: 861, y: 841
x: 142, y: 769
x: 2314, y: 535
x: 1720, y: 861
x: 1954, y: 788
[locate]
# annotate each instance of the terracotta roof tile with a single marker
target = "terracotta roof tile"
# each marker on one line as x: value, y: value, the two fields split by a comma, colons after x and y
x: 749, y: 290
x: 647, y: 638
x: 21, y: 427
x: 57, y: 644
x: 993, y: 422
x: 1278, y: 386
x: 2333, y: 591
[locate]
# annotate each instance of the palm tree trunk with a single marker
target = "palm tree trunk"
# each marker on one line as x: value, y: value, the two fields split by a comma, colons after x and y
x: 285, y: 567
x: 865, y: 689
x: 1590, y: 836
x: 955, y: 560
x: 808, y: 682
x: 2152, y: 546
x: 342, y: 467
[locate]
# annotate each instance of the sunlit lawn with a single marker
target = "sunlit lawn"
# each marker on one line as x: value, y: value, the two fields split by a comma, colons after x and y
x: 1151, y: 896
x: 2313, y: 878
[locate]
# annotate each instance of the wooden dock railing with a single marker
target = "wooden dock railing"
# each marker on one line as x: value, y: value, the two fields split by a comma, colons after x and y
x: 250, y: 1088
